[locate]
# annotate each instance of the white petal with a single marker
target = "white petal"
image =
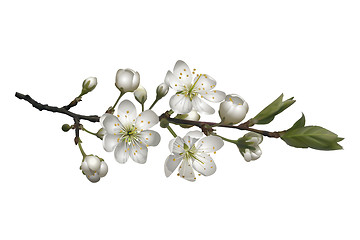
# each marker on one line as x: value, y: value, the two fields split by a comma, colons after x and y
x: 85, y: 168
x: 138, y: 152
x: 214, y: 96
x: 126, y: 113
x: 174, y: 82
x: 103, y: 117
x: 186, y: 171
x: 204, y: 164
x: 183, y: 72
x: 202, y: 107
x: 209, y: 144
x: 150, y: 137
x: 111, y: 124
x: 93, y: 178
x: 171, y: 163
x: 178, y: 146
x: 171, y: 144
x: 93, y: 163
x: 204, y: 83
x: 121, y: 152
x: 110, y: 141
x: 181, y: 104
x: 194, y: 134
x: 103, y: 169
x: 146, y: 120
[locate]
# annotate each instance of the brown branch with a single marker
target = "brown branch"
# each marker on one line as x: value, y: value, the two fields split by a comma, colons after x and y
x: 63, y: 110
x: 207, y: 127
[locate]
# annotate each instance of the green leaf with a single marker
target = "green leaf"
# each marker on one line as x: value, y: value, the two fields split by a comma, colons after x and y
x: 311, y: 137
x: 299, y: 123
x: 273, y: 109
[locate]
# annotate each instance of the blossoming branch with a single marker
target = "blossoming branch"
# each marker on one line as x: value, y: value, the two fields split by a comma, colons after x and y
x: 127, y: 133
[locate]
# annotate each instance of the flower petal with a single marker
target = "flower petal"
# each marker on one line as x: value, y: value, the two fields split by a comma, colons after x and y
x: 146, y: 120
x: 138, y: 152
x: 171, y: 144
x: 110, y: 141
x: 150, y: 137
x: 111, y: 124
x: 174, y: 82
x: 183, y: 72
x: 177, y: 146
x: 202, y: 107
x: 186, y: 171
x: 121, y: 152
x: 180, y: 103
x: 192, y: 137
x: 209, y: 144
x: 214, y: 96
x: 126, y: 113
x: 194, y: 134
x: 204, y: 83
x: 204, y: 164
x: 171, y: 163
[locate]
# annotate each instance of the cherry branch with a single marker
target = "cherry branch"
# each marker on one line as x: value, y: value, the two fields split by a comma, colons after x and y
x: 63, y: 110
x: 207, y: 127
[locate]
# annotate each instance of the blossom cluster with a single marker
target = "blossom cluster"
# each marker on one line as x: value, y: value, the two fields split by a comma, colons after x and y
x: 128, y: 134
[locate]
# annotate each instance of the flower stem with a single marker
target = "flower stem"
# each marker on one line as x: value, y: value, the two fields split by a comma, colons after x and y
x: 142, y: 107
x: 224, y: 138
x: 153, y: 104
x: 82, y: 128
x: 117, y: 100
x: 81, y: 148
x: 171, y: 131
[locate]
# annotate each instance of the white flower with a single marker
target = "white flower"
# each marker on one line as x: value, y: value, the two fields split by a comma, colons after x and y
x: 127, y: 80
x: 94, y: 168
x: 140, y: 94
x: 89, y: 84
x: 189, y: 90
x: 253, y: 151
x: 128, y: 133
x: 233, y: 110
x: 192, y: 153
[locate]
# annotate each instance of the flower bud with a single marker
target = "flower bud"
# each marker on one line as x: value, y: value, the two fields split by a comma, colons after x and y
x: 89, y: 84
x: 66, y: 127
x: 92, y: 162
x: 127, y: 80
x: 233, y: 110
x: 248, y: 146
x: 162, y: 90
x: 140, y: 94
x: 251, y: 155
x: 192, y: 116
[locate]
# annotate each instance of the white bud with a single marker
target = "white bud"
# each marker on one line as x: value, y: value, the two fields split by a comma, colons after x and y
x: 233, y: 110
x: 89, y: 84
x: 140, y: 94
x: 93, y: 178
x: 162, y: 90
x: 92, y: 162
x: 251, y: 155
x: 127, y: 80
x: 103, y: 169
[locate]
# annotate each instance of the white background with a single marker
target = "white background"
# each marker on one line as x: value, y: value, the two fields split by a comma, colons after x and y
x: 257, y: 49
